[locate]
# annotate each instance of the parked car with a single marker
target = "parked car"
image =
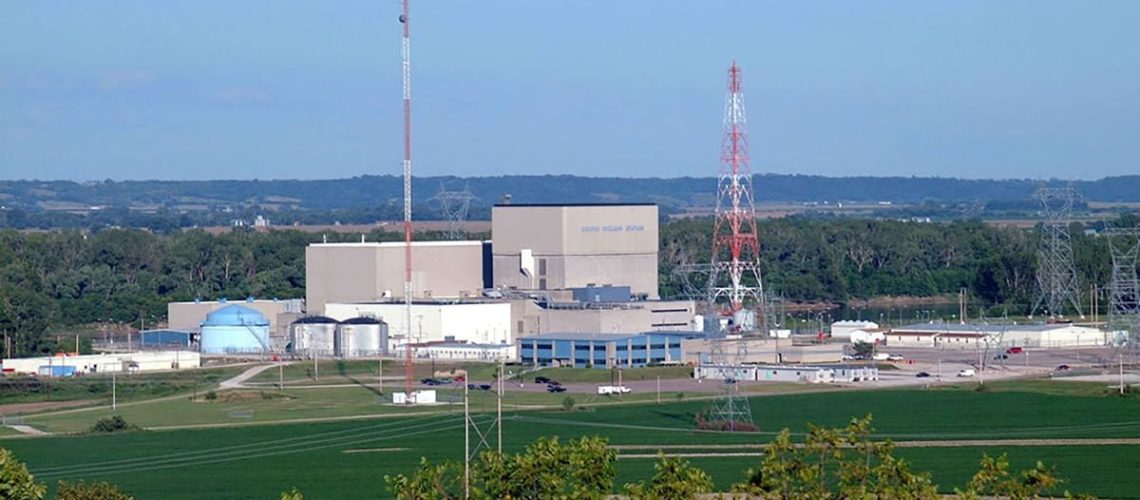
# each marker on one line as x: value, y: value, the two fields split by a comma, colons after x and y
x: 1014, y: 350
x: 472, y: 387
x: 968, y: 372
x: 555, y: 388
x: 541, y: 380
x: 432, y: 381
x: 1002, y: 356
x: 1063, y: 368
x: 895, y: 357
x: 922, y: 374
x: 484, y: 387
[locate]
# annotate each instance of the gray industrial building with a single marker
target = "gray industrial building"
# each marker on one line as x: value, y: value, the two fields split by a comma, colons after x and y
x: 373, y: 272
x: 559, y: 247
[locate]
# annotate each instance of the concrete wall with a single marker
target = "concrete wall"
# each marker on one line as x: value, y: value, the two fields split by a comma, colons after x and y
x: 484, y: 322
x: 558, y: 247
x: 362, y: 272
x: 528, y: 318
x: 190, y: 315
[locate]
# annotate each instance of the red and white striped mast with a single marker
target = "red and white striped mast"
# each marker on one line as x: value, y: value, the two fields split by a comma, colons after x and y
x: 406, y: 50
x: 736, y: 246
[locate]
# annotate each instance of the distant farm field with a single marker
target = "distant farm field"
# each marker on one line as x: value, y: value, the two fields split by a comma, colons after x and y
x: 349, y: 459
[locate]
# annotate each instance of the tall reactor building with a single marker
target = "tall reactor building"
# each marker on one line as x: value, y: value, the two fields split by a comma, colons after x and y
x: 567, y: 246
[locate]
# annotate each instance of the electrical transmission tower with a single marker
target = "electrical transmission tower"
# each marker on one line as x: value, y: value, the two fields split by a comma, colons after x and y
x: 1056, y: 274
x: 734, y: 271
x: 1124, y: 316
x: 453, y: 205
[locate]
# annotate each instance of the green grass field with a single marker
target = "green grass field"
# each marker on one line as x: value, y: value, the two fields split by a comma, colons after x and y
x: 349, y: 459
x: 98, y: 387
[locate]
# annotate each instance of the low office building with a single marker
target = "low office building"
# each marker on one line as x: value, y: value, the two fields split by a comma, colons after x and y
x: 601, y: 350
x: 959, y: 336
x: 462, y: 351
x: 63, y: 365
x: 830, y: 374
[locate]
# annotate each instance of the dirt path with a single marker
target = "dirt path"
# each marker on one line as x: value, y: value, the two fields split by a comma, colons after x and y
x: 957, y: 443
x: 29, y: 430
x: 18, y: 408
x: 237, y: 381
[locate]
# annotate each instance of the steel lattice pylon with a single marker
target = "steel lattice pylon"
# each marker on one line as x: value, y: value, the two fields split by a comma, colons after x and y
x: 1056, y: 273
x: 453, y: 205
x: 734, y: 270
x: 1124, y: 315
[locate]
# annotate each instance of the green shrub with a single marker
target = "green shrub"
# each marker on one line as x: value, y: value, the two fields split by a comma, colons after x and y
x: 113, y: 424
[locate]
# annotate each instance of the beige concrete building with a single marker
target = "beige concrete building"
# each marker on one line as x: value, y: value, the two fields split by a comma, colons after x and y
x: 370, y: 272
x: 555, y: 247
x: 529, y: 317
x: 280, y: 313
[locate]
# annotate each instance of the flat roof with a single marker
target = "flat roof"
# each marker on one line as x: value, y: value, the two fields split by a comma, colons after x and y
x: 958, y: 328
x: 386, y: 244
x: 580, y: 336
x: 556, y: 205
x: 603, y: 336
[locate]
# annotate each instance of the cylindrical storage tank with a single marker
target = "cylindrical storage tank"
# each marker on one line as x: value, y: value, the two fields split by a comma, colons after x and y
x: 234, y: 329
x: 361, y: 337
x: 313, y: 336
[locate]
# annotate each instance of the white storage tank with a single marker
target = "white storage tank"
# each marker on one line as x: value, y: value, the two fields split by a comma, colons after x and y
x: 313, y: 336
x: 361, y: 337
x: 235, y: 329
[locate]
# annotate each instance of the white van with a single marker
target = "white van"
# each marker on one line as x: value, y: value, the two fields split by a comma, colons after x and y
x: 968, y: 372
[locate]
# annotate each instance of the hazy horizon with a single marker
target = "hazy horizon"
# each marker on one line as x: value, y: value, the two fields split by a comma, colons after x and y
x: 216, y: 90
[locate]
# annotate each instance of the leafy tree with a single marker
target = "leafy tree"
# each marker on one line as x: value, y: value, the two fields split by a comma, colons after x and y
x: 90, y: 491
x: 673, y: 478
x: 580, y: 469
x: 993, y: 479
x: 835, y: 463
x: 16, y: 483
x: 293, y: 494
x: 863, y: 348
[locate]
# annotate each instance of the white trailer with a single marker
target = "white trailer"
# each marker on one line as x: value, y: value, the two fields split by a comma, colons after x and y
x: 605, y: 390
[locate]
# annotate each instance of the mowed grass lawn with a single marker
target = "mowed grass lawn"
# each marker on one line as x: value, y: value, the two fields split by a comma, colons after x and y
x: 349, y: 459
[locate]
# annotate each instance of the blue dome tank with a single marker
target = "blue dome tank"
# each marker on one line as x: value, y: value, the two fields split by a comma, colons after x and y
x: 234, y: 329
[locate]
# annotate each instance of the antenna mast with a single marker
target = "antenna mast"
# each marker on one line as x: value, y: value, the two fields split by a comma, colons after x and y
x: 406, y: 51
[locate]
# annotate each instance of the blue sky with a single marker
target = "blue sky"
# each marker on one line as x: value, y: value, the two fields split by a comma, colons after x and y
x: 205, y: 89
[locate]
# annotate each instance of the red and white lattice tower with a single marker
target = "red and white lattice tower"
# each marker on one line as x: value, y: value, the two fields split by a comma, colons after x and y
x: 406, y: 52
x: 735, y: 273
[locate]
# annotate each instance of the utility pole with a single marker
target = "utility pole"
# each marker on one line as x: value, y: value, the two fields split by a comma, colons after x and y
x: 281, y: 376
x: 406, y: 53
x: 499, y: 411
x: 380, y: 376
x: 317, y: 368
x: 466, y: 440
x: 659, y: 389
x: 1121, y: 373
x: 114, y: 390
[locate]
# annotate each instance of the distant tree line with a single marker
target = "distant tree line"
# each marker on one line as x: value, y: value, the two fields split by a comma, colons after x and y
x: 65, y: 278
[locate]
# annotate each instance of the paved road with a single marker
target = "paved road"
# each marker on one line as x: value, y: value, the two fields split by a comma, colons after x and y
x: 237, y: 381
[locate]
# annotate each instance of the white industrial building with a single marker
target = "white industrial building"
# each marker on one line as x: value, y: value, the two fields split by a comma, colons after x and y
x: 958, y: 336
x: 843, y: 329
x: 472, y: 322
x: 781, y: 373
x: 459, y: 351
x: 61, y: 365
